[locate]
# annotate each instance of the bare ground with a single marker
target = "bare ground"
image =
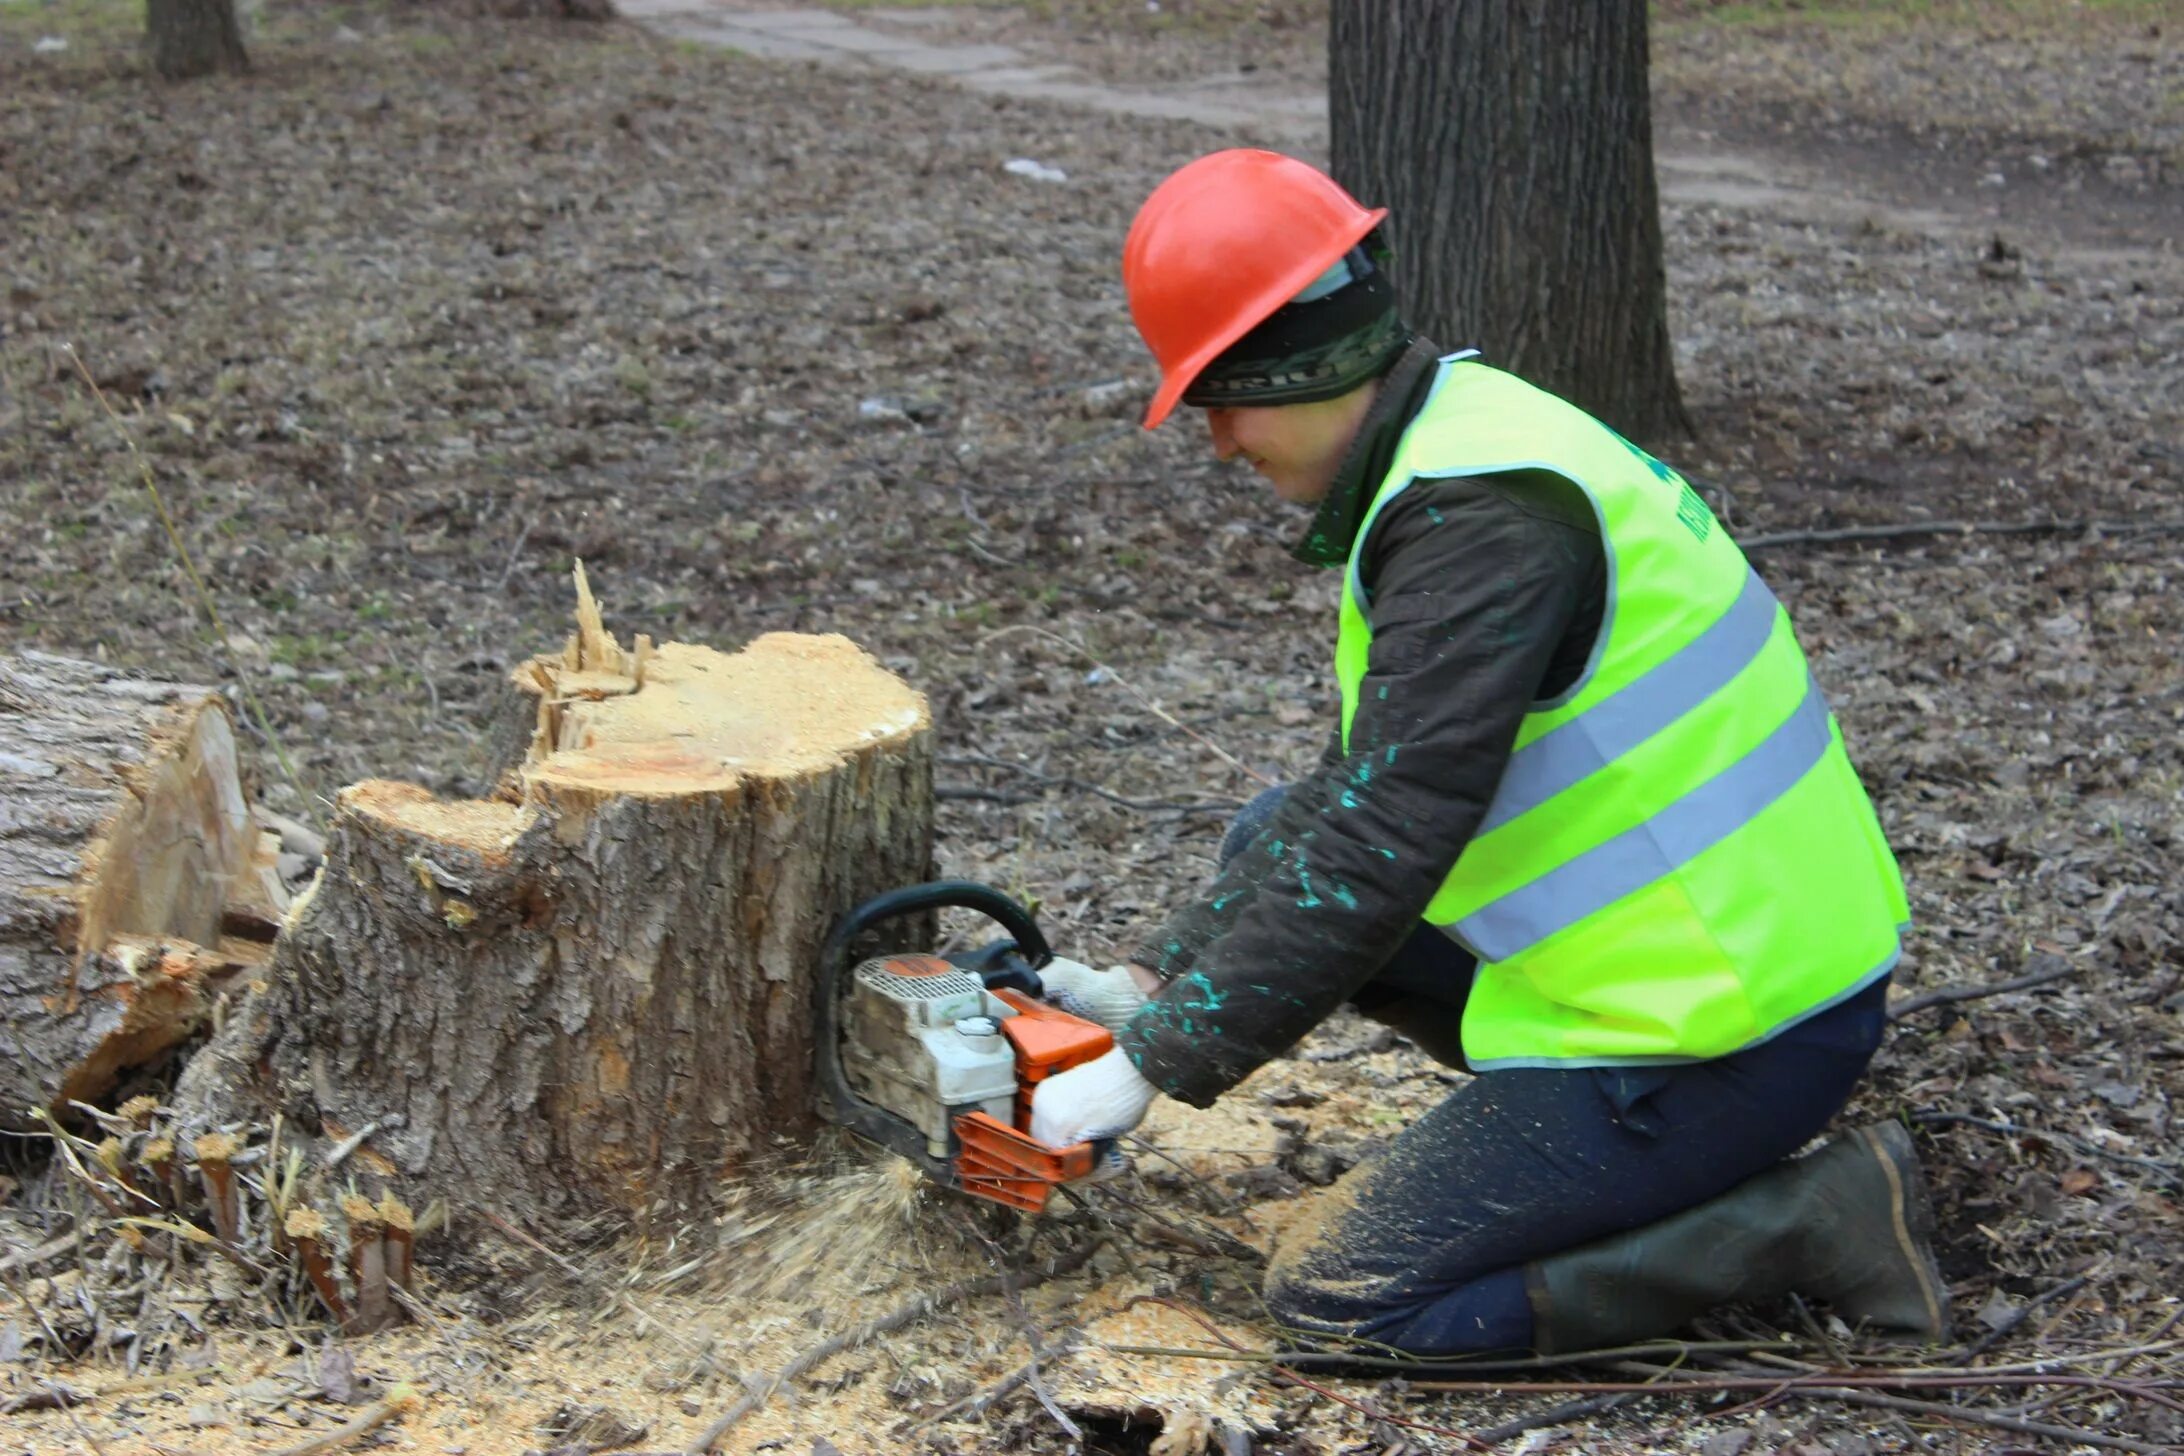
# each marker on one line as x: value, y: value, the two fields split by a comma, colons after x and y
x: 428, y: 307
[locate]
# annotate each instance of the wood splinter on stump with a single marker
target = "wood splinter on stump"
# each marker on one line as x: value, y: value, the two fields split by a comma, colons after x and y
x: 134, y: 880
x: 592, y: 993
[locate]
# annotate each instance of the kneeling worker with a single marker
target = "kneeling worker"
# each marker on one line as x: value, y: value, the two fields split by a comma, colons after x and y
x: 1586, y: 829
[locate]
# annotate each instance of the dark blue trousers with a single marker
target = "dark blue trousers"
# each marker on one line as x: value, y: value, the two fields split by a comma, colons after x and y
x: 1424, y: 1249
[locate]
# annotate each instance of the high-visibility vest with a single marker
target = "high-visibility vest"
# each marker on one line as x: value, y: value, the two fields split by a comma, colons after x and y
x: 1679, y: 860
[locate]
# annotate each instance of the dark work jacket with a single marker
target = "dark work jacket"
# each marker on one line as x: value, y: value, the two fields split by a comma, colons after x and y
x: 1485, y: 593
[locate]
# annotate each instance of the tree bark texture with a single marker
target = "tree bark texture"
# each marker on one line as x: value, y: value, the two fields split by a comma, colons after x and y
x: 127, y: 853
x: 191, y: 38
x: 593, y: 995
x: 557, y: 9
x: 1512, y: 143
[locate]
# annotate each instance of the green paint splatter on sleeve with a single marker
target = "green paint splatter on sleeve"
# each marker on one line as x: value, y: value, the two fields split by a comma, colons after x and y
x: 1308, y: 900
x: 1182, y: 1005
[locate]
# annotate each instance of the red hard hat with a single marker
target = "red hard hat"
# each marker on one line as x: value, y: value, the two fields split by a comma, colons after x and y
x: 1221, y: 244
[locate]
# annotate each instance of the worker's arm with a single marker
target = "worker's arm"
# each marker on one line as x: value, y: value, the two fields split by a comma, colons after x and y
x: 1174, y: 949
x: 1474, y: 591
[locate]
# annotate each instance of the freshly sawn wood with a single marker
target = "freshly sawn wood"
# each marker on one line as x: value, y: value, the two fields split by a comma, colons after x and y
x: 128, y: 859
x: 592, y: 994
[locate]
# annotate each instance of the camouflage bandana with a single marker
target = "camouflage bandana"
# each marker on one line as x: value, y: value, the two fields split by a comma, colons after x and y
x: 1323, y: 372
x: 1307, y: 351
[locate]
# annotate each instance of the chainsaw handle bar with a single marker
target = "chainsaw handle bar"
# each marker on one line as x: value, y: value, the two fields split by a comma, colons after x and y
x: 936, y: 895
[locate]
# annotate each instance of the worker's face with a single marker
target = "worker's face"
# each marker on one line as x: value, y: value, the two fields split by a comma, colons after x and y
x: 1297, y: 447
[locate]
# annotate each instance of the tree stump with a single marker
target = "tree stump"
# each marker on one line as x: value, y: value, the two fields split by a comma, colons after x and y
x: 592, y: 994
x: 133, y: 880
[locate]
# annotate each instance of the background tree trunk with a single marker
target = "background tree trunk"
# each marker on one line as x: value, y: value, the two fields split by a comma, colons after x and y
x: 1512, y: 143
x: 593, y: 996
x: 128, y: 859
x: 194, y: 38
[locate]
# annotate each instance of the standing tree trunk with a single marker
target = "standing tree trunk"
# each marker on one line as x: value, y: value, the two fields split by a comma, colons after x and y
x: 194, y: 38
x: 128, y: 863
x: 592, y: 995
x: 1512, y: 143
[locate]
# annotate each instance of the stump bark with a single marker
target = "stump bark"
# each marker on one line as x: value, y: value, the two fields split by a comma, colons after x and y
x: 134, y: 882
x: 592, y: 994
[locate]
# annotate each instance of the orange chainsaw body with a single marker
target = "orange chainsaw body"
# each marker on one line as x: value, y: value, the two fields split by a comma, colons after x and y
x: 937, y: 1058
x: 1007, y: 1164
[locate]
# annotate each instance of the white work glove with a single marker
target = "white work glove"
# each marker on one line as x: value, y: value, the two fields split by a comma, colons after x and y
x: 1109, y: 997
x: 1104, y: 1098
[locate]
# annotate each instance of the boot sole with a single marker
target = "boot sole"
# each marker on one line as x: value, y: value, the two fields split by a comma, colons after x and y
x: 1911, y: 1212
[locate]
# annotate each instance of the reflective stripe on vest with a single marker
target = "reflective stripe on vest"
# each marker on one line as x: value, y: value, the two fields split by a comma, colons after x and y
x: 1679, y: 860
x: 1670, y: 839
x: 1564, y: 755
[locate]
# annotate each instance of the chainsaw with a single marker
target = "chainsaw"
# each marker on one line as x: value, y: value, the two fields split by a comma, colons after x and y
x: 937, y: 1057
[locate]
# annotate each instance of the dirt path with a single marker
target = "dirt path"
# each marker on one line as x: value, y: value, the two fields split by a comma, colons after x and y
x: 1824, y: 179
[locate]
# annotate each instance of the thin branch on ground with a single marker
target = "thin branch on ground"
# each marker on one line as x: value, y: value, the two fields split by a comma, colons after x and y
x: 1952, y: 995
x: 979, y: 1402
x: 1294, y: 1377
x: 370, y: 1419
x: 1664, y: 1379
x: 2126, y: 1359
x: 1213, y: 1243
x: 1139, y: 1143
x: 22, y: 1299
x: 1406, y: 1365
x: 592, y: 1282
x: 2007, y: 1327
x: 515, y: 553
x: 32, y: 1258
x: 1030, y: 1329
x: 2045, y: 1363
x: 1067, y: 782
x: 50, y: 1395
x: 189, y: 567
x: 1964, y: 1415
x: 763, y: 1390
x: 1856, y: 1387
x: 1941, y: 1117
x: 945, y: 792
x: 1904, y: 529
x: 1143, y: 701
x: 1554, y: 1415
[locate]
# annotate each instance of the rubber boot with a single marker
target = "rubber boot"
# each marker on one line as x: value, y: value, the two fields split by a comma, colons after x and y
x: 1849, y: 1224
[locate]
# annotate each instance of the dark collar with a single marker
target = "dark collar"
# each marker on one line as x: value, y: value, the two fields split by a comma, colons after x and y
x: 1403, y: 391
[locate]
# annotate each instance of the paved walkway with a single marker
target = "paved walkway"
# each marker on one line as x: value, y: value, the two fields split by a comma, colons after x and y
x: 838, y: 40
